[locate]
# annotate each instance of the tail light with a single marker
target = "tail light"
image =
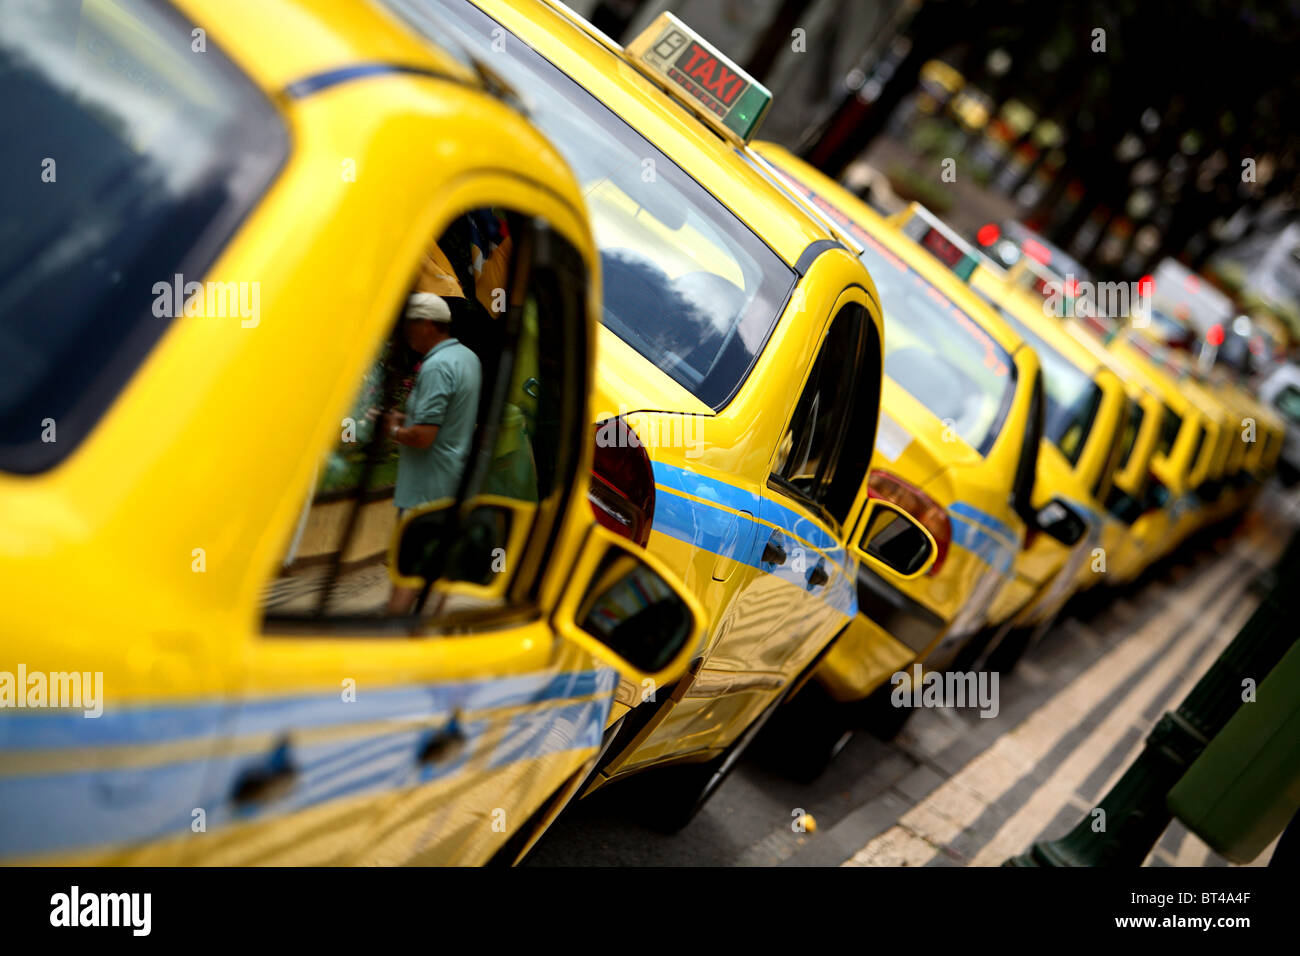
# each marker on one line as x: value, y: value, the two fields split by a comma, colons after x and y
x: 622, y: 489
x: 931, y: 514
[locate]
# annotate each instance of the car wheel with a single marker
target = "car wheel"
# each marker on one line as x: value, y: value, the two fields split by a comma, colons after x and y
x: 672, y: 796
x: 804, y: 736
x: 971, y: 651
x: 878, y: 715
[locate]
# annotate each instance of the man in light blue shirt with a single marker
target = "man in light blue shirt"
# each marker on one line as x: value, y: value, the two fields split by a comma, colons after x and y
x: 437, y: 428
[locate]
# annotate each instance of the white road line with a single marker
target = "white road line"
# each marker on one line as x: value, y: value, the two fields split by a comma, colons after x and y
x: 960, y: 801
x: 1041, y: 808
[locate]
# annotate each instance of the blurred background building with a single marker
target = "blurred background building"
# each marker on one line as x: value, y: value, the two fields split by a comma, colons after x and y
x: 1125, y: 131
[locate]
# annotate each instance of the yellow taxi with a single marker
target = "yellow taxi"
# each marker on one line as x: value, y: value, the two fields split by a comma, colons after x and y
x: 1241, y: 437
x: 1086, y: 410
x: 738, y: 377
x: 1132, y: 500
x: 1137, y: 498
x: 1207, y: 504
x: 1263, y: 432
x: 1078, y: 456
x: 958, y: 443
x: 1183, y: 453
x: 271, y: 653
x: 1222, y: 492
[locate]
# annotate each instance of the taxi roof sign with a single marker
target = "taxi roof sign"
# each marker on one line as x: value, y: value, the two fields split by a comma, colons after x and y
x: 696, y: 73
x: 942, y: 241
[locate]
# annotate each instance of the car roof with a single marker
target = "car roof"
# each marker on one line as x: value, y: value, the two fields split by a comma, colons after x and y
x: 860, y: 219
x: 1050, y: 330
x: 596, y: 63
x: 325, y: 38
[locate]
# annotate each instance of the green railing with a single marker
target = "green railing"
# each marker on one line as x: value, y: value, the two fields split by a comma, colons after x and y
x: 1134, y: 811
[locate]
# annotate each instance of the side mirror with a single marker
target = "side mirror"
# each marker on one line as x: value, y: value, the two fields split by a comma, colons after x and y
x: 895, y: 541
x: 623, y: 606
x: 1058, y: 520
x: 1124, y: 506
x: 1156, y: 496
x: 466, y: 553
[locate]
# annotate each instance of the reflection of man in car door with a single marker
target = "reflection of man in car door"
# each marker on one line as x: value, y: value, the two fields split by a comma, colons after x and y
x: 437, y: 428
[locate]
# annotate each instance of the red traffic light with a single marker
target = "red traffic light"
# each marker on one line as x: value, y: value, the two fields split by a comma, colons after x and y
x: 988, y: 234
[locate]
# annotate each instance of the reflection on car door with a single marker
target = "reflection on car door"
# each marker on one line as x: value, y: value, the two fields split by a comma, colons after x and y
x: 367, y: 734
x: 817, y: 476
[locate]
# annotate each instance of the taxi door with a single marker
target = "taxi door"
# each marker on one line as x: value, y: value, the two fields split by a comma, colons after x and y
x: 421, y: 689
x: 817, y: 479
x: 798, y: 591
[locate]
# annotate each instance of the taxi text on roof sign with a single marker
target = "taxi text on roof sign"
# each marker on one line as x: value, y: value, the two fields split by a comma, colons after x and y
x: 719, y: 92
x: 938, y: 239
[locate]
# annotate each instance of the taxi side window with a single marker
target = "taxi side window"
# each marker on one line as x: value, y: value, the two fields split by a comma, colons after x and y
x: 466, y: 423
x: 1195, y: 458
x: 814, y: 460
x: 1131, y: 429
x: 1169, y: 429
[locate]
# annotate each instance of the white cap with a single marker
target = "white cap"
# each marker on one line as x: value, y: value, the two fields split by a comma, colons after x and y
x: 426, y: 305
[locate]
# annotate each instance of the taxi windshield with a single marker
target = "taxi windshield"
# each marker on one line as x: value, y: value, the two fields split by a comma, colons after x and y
x: 686, y: 283
x: 939, y: 354
x: 1072, y: 396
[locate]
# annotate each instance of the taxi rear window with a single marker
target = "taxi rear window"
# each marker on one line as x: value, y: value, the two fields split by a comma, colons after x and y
x: 685, y: 283
x: 127, y: 162
x: 1073, y: 398
x: 938, y: 353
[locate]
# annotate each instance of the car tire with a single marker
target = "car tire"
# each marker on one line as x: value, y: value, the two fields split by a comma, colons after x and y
x: 877, y: 714
x: 672, y: 796
x: 974, y: 648
x: 1007, y: 654
x: 804, y: 736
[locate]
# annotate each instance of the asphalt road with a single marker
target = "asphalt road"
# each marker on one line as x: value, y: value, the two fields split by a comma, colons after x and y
x: 957, y: 789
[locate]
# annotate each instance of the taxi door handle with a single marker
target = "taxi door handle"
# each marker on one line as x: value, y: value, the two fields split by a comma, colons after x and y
x: 818, y: 576
x: 774, y: 550
x: 266, y: 780
x: 441, y: 743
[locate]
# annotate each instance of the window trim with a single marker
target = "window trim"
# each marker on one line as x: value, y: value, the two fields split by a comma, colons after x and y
x: 827, y: 467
